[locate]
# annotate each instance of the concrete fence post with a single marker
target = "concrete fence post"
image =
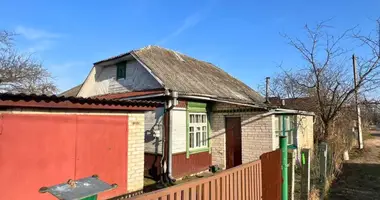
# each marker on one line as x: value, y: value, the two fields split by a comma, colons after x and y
x: 323, y: 165
x: 291, y: 173
x: 323, y: 161
x: 305, y: 175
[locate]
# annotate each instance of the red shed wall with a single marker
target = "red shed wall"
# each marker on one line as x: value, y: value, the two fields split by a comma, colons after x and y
x: 41, y: 150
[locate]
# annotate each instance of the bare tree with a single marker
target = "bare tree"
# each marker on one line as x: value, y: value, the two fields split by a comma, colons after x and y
x: 327, y: 73
x: 284, y: 86
x: 20, y: 73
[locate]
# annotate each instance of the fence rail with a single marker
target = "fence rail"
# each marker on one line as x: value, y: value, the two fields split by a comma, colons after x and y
x: 243, y: 182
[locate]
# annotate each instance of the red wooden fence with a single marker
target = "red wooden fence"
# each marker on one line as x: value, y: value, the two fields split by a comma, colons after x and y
x: 242, y: 182
x: 271, y: 175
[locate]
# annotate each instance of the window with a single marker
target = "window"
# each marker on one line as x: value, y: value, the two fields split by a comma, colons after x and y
x: 121, y: 70
x: 197, y: 131
x: 290, y: 127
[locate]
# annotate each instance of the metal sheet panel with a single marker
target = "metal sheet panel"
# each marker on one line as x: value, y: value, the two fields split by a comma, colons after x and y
x: 85, y: 187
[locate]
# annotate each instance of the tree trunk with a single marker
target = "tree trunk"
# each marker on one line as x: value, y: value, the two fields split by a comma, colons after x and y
x: 325, y: 130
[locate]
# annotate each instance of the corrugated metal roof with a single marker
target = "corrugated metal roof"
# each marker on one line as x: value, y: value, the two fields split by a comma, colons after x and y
x: 45, y: 101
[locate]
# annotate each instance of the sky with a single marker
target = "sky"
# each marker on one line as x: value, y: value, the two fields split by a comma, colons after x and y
x: 244, y: 38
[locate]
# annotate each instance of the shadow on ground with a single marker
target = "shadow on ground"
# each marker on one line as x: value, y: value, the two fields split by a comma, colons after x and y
x: 375, y: 134
x: 357, y: 181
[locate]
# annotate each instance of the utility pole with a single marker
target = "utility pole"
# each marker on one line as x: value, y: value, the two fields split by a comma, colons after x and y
x: 358, y: 120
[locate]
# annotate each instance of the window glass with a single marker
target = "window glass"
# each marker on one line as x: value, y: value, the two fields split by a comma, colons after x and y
x: 198, y: 130
x: 191, y: 140
x: 198, y: 139
x: 203, y: 118
x: 121, y: 70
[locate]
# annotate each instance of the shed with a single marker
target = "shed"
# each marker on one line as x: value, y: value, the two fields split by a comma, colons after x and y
x: 45, y: 140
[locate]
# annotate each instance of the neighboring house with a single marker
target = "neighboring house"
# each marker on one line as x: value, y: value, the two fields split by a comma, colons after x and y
x: 73, y: 92
x: 209, y: 117
x: 47, y: 140
x: 301, y: 103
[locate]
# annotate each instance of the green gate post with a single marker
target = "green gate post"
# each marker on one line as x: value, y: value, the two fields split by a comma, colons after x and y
x: 284, y: 161
x: 95, y: 197
x: 284, y: 167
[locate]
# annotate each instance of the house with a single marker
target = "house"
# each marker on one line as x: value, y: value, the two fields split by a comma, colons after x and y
x: 208, y: 117
x: 47, y: 140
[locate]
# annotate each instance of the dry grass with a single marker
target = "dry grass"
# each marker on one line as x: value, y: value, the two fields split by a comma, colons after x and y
x: 314, y: 194
x: 360, y: 178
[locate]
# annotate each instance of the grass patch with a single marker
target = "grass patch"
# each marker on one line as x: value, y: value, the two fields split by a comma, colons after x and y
x: 356, y: 153
x: 149, y: 182
x: 367, y: 135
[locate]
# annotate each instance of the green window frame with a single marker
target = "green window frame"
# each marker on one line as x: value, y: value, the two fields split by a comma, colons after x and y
x: 121, y: 69
x: 290, y: 128
x: 197, y: 128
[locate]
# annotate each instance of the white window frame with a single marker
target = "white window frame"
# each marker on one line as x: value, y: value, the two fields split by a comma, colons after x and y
x: 202, y: 126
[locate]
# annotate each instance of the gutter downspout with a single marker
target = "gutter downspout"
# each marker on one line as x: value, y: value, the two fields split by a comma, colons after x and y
x: 167, y: 141
x: 173, y: 103
x: 163, y: 158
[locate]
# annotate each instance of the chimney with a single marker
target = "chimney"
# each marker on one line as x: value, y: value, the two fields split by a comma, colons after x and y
x: 267, y: 89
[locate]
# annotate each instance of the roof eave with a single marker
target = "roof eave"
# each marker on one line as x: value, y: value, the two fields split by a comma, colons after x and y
x: 112, y: 58
x: 292, y: 111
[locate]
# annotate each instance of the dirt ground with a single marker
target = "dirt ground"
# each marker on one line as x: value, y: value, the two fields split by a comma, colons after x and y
x: 360, y: 178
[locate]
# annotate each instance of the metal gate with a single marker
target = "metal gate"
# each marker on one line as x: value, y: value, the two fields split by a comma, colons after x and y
x: 42, y: 150
x: 271, y: 175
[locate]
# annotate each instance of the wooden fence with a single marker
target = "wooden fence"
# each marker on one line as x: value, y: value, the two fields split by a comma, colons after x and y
x: 242, y: 182
x: 245, y: 182
x: 271, y: 175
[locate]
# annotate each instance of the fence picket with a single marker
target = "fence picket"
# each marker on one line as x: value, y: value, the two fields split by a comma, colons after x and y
x: 223, y: 186
x: 185, y: 194
x: 242, y: 182
x: 237, y: 183
x: 242, y: 175
x: 206, y: 191
x: 213, y: 191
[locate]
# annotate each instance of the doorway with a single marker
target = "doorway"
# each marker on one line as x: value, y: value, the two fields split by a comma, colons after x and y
x: 233, y: 142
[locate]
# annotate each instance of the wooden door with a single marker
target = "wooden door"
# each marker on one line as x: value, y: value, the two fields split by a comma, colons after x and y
x: 233, y: 142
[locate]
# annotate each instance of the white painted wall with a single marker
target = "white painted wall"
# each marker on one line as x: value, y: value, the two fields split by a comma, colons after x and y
x: 275, y: 137
x: 153, y: 126
x: 178, y: 123
x: 305, y: 137
x: 89, y: 83
x: 102, y: 80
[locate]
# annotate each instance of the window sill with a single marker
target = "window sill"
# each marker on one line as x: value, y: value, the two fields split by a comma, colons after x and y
x: 200, y: 150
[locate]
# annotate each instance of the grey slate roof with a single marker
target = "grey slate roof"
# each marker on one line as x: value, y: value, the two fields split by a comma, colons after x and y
x: 190, y: 76
x: 73, y: 92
